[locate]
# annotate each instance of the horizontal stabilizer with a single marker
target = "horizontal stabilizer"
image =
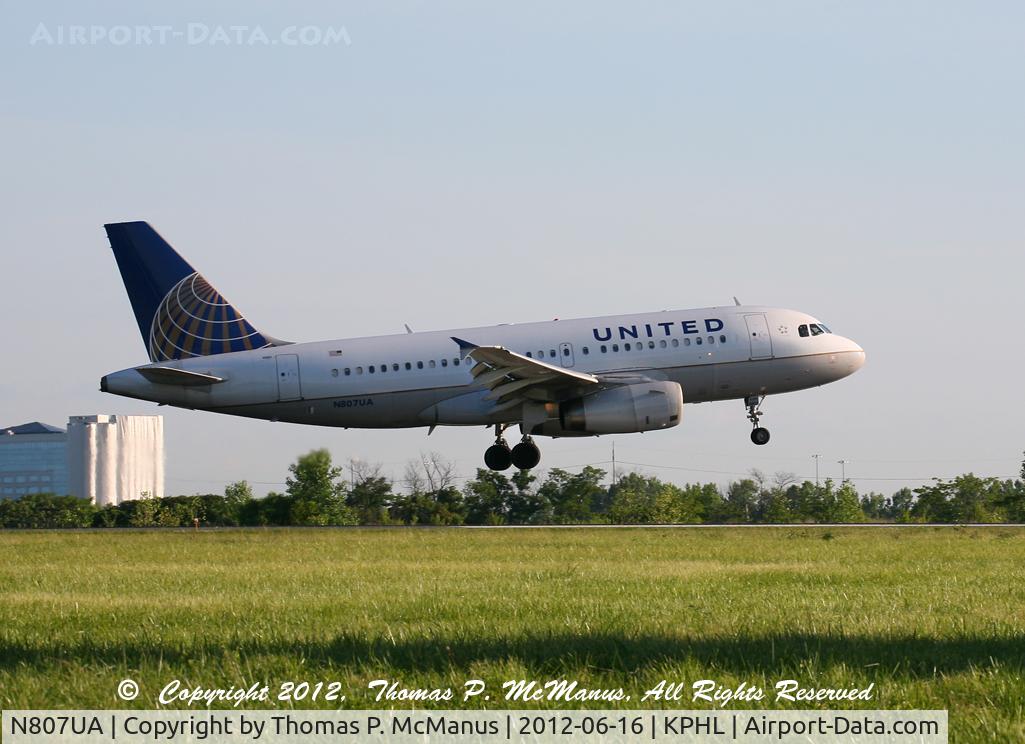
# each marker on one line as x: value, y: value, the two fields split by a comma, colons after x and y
x: 172, y: 376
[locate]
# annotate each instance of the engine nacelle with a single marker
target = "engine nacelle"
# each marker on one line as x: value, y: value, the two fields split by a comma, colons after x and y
x: 620, y: 410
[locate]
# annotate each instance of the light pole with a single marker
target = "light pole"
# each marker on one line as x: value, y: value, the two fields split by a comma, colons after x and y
x: 352, y: 472
x: 816, y: 469
x: 843, y: 471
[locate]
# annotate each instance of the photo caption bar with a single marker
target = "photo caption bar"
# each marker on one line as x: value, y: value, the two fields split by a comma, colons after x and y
x: 408, y: 726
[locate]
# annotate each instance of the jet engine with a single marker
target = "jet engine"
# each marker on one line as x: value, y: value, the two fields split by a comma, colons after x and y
x: 619, y: 410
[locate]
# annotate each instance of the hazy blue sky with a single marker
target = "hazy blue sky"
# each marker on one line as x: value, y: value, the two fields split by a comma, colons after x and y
x: 456, y: 164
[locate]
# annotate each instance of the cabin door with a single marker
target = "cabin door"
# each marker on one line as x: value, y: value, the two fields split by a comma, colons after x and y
x: 758, y: 335
x: 288, y: 377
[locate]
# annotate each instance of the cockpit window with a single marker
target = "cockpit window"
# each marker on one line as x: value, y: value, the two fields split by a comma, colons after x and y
x: 817, y: 329
x: 802, y: 330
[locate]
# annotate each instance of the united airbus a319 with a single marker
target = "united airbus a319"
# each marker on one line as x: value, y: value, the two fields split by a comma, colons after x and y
x: 584, y: 377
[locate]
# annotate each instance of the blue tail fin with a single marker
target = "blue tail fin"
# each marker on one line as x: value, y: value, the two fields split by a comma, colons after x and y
x: 179, y: 313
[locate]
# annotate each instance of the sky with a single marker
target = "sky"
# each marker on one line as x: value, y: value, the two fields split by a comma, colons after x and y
x: 460, y: 164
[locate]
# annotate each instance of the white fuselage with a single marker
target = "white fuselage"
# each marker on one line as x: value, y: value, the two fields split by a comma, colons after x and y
x: 422, y: 379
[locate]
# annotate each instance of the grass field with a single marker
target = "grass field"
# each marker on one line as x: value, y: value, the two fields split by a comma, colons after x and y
x: 934, y: 617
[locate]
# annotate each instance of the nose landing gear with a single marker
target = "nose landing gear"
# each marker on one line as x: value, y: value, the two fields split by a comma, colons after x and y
x: 523, y: 456
x: 759, y: 435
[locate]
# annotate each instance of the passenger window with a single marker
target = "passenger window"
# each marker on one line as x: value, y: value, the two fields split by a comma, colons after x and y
x: 586, y: 351
x: 455, y: 361
x: 711, y: 339
x: 371, y: 369
x: 565, y: 352
x: 802, y: 331
x: 626, y: 346
x: 686, y: 342
x: 395, y: 368
x: 604, y: 349
x: 384, y: 368
x: 722, y: 339
x: 551, y: 353
x: 615, y: 347
x: 530, y: 355
x: 444, y: 362
x: 662, y: 343
x: 651, y: 344
x: 334, y: 373
x: 540, y: 354
x: 675, y: 342
x: 432, y: 364
x: 419, y: 365
x: 359, y: 370
x: 409, y: 365
x: 348, y: 371
x: 698, y: 340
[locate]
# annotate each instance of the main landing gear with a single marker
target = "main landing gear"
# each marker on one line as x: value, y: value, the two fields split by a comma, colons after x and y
x: 759, y: 435
x: 523, y: 456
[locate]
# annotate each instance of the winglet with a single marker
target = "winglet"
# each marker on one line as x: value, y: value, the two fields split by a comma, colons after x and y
x: 465, y: 347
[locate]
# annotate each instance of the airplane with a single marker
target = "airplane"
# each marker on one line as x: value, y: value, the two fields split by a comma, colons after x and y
x: 561, y: 378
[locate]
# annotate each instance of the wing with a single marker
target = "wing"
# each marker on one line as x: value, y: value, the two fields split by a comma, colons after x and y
x: 513, y: 379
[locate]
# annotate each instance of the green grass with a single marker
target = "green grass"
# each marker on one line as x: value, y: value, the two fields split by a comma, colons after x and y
x: 934, y: 617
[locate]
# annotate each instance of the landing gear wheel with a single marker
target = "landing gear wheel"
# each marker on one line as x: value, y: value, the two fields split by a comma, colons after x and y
x: 498, y: 456
x: 526, y: 455
x: 753, y: 404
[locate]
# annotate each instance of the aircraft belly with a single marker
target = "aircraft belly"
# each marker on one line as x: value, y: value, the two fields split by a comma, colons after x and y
x: 769, y: 377
x: 372, y: 411
x: 465, y: 409
x: 731, y: 380
x: 698, y: 382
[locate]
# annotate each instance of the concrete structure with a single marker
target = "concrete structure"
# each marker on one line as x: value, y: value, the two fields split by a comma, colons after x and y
x: 33, y: 459
x: 116, y: 458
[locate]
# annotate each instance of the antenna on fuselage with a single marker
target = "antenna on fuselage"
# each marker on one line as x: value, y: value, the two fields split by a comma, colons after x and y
x: 736, y: 301
x: 408, y: 329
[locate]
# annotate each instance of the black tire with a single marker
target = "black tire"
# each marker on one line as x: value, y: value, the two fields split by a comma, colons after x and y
x: 498, y: 457
x: 525, y: 456
x: 760, y: 435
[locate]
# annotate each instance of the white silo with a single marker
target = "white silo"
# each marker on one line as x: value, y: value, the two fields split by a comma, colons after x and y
x: 115, y: 458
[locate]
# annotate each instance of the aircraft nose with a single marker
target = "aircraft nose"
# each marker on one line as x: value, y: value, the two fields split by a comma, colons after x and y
x: 856, y: 356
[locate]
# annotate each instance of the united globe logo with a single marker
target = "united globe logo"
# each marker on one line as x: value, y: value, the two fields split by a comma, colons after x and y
x: 194, y: 319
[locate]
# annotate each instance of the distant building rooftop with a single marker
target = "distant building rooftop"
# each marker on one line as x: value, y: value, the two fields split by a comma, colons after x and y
x: 33, y: 427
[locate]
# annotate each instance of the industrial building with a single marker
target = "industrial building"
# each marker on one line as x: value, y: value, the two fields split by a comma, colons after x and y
x: 116, y: 458
x: 106, y: 459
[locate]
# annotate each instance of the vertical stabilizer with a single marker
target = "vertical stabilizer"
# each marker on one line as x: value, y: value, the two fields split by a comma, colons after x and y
x: 179, y: 313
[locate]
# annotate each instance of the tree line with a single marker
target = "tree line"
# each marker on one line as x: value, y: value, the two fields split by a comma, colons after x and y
x: 317, y: 494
